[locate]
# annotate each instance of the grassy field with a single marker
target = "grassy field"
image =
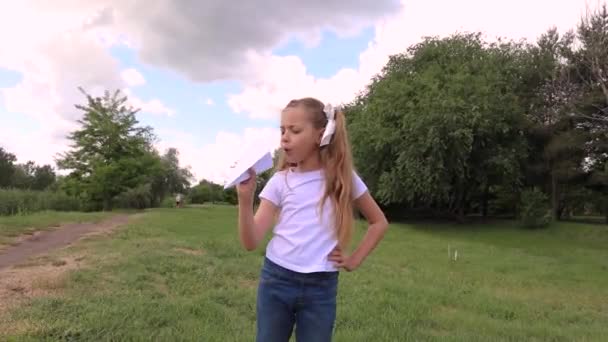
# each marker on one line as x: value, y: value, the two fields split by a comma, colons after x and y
x: 180, y: 275
x: 12, y: 226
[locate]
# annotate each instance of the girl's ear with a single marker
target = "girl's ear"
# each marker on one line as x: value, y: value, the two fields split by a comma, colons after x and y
x: 320, y: 135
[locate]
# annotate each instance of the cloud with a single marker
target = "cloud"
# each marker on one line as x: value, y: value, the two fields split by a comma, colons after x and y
x: 213, y: 39
x: 153, y: 106
x: 278, y: 79
x: 213, y: 161
x: 132, y: 77
x: 209, y: 102
x: 52, y: 72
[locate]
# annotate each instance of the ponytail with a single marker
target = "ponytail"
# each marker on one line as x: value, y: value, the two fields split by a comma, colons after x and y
x: 336, y: 160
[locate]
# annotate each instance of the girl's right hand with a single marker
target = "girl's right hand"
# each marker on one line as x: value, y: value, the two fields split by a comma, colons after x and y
x: 246, y: 188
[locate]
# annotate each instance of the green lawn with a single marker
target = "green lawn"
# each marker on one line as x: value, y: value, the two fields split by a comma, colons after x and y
x: 180, y: 275
x: 11, y: 226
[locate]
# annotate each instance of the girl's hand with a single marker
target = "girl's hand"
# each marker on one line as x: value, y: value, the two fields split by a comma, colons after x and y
x: 246, y: 188
x: 347, y: 262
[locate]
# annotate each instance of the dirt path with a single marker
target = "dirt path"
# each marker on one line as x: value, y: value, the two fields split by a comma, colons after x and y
x: 45, y: 241
x: 20, y: 282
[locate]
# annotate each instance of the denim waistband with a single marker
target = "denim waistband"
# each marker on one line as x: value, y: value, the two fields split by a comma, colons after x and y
x: 282, y: 272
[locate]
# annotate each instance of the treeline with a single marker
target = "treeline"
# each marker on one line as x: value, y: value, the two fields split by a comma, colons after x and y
x: 460, y: 126
x: 112, y: 164
x: 209, y: 192
x: 452, y: 127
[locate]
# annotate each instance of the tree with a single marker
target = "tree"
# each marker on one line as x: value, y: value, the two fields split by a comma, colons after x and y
x: 110, y: 153
x: 177, y: 178
x: 33, y: 177
x: 591, y: 64
x: 7, y: 167
x: 441, y: 124
x: 555, y: 140
x: 207, y: 191
x: 44, y: 177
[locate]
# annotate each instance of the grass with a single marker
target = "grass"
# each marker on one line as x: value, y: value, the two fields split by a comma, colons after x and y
x: 181, y: 275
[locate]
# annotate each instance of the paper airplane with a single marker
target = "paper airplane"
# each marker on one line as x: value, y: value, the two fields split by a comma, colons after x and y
x: 239, y: 171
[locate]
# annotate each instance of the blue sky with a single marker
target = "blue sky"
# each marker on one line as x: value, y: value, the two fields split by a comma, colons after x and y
x: 210, y: 89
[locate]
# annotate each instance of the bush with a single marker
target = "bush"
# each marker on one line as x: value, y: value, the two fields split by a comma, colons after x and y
x: 168, y: 202
x: 14, y: 202
x: 137, y: 198
x: 535, y: 209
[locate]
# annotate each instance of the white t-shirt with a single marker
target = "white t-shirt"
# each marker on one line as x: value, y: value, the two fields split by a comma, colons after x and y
x: 302, y: 239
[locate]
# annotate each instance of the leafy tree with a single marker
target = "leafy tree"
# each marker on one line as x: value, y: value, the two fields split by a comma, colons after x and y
x: 207, y: 191
x: 44, y: 177
x: 441, y: 124
x: 110, y: 153
x: 177, y: 179
x: 7, y: 167
x: 590, y: 62
x: 555, y: 140
x: 33, y: 177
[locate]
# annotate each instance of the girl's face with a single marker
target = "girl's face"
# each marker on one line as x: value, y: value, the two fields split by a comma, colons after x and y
x: 299, y: 138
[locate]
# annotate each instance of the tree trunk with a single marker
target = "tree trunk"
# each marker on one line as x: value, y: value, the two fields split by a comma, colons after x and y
x: 484, y: 201
x: 554, y: 198
x: 460, y: 206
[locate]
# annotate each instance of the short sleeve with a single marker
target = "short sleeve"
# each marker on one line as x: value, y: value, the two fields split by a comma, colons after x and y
x: 272, y: 190
x: 359, y: 187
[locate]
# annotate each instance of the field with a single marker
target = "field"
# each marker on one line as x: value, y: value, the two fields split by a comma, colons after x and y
x: 180, y: 275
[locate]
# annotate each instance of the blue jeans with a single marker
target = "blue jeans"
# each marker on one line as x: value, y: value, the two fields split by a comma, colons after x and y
x: 287, y: 298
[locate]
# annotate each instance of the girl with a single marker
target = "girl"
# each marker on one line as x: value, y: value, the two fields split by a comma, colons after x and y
x: 313, y: 195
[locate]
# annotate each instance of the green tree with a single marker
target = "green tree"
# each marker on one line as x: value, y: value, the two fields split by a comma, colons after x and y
x: 110, y: 152
x: 207, y: 191
x: 33, y: 177
x: 7, y: 167
x: 555, y: 138
x: 591, y: 64
x: 44, y: 177
x: 177, y: 178
x: 441, y: 124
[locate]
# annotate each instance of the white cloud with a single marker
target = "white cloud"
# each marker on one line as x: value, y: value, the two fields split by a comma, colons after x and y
x: 279, y: 79
x: 210, y: 40
x: 52, y: 72
x: 213, y: 161
x: 132, y: 77
x: 153, y: 106
x: 214, y: 39
x: 209, y: 102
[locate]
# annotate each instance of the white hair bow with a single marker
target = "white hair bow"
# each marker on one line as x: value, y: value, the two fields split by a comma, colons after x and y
x: 330, y: 128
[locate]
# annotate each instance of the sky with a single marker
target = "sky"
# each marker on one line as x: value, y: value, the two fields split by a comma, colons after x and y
x: 211, y: 76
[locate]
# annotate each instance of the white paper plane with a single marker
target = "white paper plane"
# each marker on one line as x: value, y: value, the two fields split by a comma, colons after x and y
x: 239, y: 172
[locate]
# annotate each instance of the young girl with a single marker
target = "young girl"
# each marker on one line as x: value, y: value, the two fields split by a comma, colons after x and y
x: 312, y: 195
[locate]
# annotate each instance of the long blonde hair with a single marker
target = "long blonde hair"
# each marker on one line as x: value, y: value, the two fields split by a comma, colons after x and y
x: 337, y: 163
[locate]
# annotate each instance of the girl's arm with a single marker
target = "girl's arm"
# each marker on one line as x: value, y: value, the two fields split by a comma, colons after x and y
x: 252, y: 228
x: 377, y: 227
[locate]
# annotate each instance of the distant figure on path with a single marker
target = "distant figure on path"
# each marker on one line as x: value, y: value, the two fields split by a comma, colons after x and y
x: 178, y: 201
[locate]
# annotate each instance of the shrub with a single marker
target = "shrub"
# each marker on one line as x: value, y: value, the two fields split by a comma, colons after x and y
x: 137, y: 198
x: 535, y: 209
x: 14, y: 202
